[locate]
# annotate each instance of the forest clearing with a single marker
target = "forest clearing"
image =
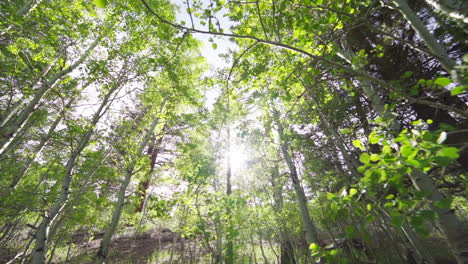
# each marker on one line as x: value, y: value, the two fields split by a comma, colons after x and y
x: 234, y: 131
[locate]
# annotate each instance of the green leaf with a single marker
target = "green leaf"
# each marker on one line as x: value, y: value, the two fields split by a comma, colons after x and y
x: 428, y: 215
x: 314, y: 247
x: 100, y: 3
x: 457, y: 90
x: 374, y: 138
x: 397, y: 220
x: 369, y: 207
x: 330, y: 196
x: 383, y: 175
x: 364, y: 158
x: 443, y: 203
x: 214, y: 45
x: 352, y: 192
x: 442, y: 81
x: 416, y: 221
x: 340, y: 26
x: 407, y: 74
x: 349, y: 231
x: 421, y: 230
x: 406, y: 150
x: 361, y: 169
x: 346, y: 131
x: 358, y: 144
x: 236, y: 9
x: 370, y: 218
x: 449, y: 152
x: 414, y: 163
x: 248, y: 30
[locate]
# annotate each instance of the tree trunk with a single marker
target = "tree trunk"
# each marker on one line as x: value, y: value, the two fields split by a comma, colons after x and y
x: 453, y: 229
x: 153, y: 151
x: 229, y: 256
x: 104, y: 249
x: 286, y: 250
x: 38, y: 149
x: 309, y: 227
x: 9, y: 131
x: 434, y: 46
x: 456, y: 9
x: 49, y: 217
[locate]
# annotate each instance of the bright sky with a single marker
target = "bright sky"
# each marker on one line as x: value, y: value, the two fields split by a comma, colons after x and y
x: 238, y: 151
x: 223, y: 44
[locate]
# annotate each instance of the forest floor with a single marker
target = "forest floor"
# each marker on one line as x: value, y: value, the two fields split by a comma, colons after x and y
x: 163, y: 246
x: 159, y: 245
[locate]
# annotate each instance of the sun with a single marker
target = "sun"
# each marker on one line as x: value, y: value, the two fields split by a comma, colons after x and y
x: 239, y: 157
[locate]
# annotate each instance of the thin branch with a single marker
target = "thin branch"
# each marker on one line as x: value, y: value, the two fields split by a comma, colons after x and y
x: 314, y: 57
x: 189, y: 10
x: 261, y: 19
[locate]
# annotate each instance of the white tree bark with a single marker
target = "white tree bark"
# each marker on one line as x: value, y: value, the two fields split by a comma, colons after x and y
x: 309, y: 227
x: 456, y: 9
x: 51, y: 215
x: 118, y: 207
x: 10, y: 130
x: 38, y: 149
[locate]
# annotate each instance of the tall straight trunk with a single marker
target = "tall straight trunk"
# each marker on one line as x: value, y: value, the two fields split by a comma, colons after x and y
x: 38, y: 149
x: 456, y: 9
x: 17, y: 106
x: 153, y: 151
x: 254, y: 254
x: 434, y: 46
x: 76, y: 199
x: 118, y: 207
x: 12, y: 127
x: 229, y: 258
x: 286, y: 249
x: 218, y: 225
x: 332, y: 133
x: 309, y: 227
x: 219, y: 239
x: 42, y: 234
x: 18, y: 138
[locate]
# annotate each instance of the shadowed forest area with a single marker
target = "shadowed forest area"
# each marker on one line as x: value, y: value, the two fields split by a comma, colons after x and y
x: 234, y: 131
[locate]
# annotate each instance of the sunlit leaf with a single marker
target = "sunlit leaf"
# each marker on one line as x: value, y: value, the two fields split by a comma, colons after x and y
x: 457, y: 90
x: 364, y: 158
x: 442, y: 81
x: 100, y: 3
x: 358, y: 144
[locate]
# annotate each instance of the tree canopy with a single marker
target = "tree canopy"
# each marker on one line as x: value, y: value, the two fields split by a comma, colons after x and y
x: 213, y: 131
